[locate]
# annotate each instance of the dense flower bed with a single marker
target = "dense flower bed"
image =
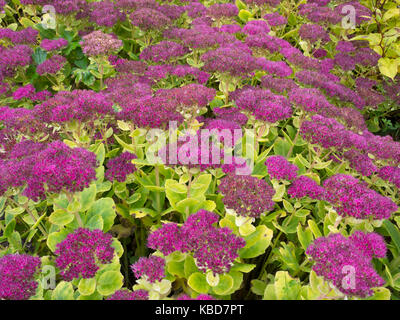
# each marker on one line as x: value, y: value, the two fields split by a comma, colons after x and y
x: 204, y: 150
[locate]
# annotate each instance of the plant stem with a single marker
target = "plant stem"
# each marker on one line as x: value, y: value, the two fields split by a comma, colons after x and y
x: 158, y: 200
x: 35, y: 220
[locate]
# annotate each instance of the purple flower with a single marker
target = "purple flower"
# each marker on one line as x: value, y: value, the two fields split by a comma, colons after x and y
x: 151, y: 112
x: 313, y: 33
x: 304, y: 186
x: 79, y: 254
x: 199, y: 297
x: 222, y: 10
x: 151, y: 268
x: 391, y: 174
x: 336, y: 256
x: 80, y: 105
x: 99, y: 43
x: 247, y: 195
x: 275, y: 19
x: 105, y: 13
x: 119, y: 167
x: 17, y: 276
x: 360, y: 162
x: 58, y: 168
x: 24, y: 36
x: 256, y: 27
x: 167, y: 239
x: 231, y: 59
x: 280, y: 168
x: 51, y: 65
x: 351, y: 197
x: 24, y: 92
x: 273, y: 111
x: 149, y: 19
x: 125, y: 294
x: 213, y: 248
x: 53, y: 45
x: 163, y: 51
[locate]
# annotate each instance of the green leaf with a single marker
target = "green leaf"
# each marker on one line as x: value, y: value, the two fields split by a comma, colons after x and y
x: 197, y: 281
x: 281, y: 147
x: 243, y: 267
x: 380, y: 294
x: 286, y: 288
x: 60, y: 217
x: 39, y: 56
x: 15, y: 241
x: 63, y: 291
x: 190, y: 266
x: 86, y: 287
x: 87, y: 197
x: 100, y: 154
x: 56, y: 237
x: 388, y: 66
x: 95, y: 222
x: 257, y: 242
x: 258, y: 287
x: 109, y: 282
x: 200, y: 185
x: 177, y: 268
x: 106, y: 208
x: 224, y: 286
x: 119, y: 250
x: 244, y: 15
x: 305, y: 237
x: 175, y: 191
x: 314, y: 228
x: 394, y: 233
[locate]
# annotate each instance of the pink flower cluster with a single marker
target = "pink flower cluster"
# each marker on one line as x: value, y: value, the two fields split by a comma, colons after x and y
x: 151, y: 268
x: 247, y: 195
x: 81, y: 252
x: 213, y: 248
x: 346, y: 262
x: 17, y: 276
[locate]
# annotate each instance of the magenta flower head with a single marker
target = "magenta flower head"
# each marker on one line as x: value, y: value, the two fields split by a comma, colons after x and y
x: 213, y: 248
x: 222, y: 10
x: 125, y: 294
x: 79, y: 254
x: 313, y: 33
x: 199, y: 297
x: 151, y: 269
x: 256, y: 27
x: 151, y: 112
x: 163, y: 51
x: 216, y: 250
x: 24, y: 36
x: 105, y: 13
x: 167, y: 239
x: 391, y: 174
x: 352, y: 197
x: 51, y: 65
x: 346, y: 262
x: 24, y: 92
x: 119, y: 167
x: 149, y: 19
x: 247, y: 195
x: 98, y: 43
x: 52, y: 45
x: 280, y: 168
x: 230, y: 59
x: 17, y: 276
x: 304, y: 186
x: 58, y: 168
